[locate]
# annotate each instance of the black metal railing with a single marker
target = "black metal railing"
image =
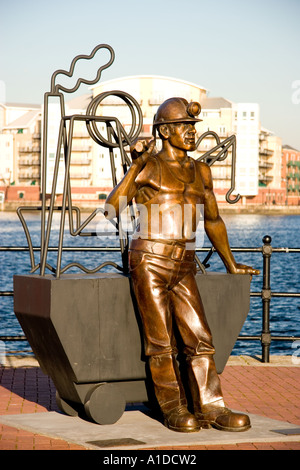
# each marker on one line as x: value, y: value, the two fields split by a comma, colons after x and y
x: 266, y: 294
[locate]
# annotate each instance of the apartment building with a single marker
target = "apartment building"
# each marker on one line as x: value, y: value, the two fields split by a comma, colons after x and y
x: 149, y: 92
x: 258, y: 151
x: 291, y: 174
x: 219, y: 115
x: 242, y: 120
x: 6, y: 159
x: 20, y: 141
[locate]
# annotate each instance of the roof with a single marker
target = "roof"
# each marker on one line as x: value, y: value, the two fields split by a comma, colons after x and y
x: 266, y: 131
x: 288, y: 147
x: 161, y: 77
x: 21, y: 105
x: 215, y: 103
x: 24, y: 121
x: 80, y: 102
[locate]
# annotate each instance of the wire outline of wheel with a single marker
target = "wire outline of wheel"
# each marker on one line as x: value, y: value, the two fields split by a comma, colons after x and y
x: 135, y: 111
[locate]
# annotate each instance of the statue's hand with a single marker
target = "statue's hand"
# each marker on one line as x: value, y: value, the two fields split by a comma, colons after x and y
x: 243, y: 269
x: 140, y: 151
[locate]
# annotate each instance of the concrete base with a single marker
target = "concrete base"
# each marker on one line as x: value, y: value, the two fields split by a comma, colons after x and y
x: 136, y: 429
x: 85, y: 332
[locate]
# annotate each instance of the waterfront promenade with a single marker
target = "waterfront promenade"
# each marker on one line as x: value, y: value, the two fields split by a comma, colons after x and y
x: 270, y: 393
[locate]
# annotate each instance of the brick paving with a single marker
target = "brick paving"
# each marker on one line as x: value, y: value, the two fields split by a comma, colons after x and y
x: 265, y: 390
x: 27, y: 390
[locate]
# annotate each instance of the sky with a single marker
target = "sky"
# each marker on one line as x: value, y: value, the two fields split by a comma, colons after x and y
x: 245, y: 51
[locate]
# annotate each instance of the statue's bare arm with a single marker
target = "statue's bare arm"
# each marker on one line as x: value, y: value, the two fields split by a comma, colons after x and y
x: 216, y: 229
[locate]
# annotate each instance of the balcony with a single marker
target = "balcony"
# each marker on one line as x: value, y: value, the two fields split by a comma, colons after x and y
x: 293, y: 163
x: 80, y: 175
x: 265, y: 178
x: 265, y: 164
x: 29, y: 175
x: 30, y: 149
x: 29, y: 162
x: 293, y: 189
x: 293, y: 176
x: 81, y: 161
x: 81, y: 148
x: 222, y: 178
x: 267, y: 152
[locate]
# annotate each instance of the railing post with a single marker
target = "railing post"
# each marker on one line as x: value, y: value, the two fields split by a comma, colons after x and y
x: 266, y: 298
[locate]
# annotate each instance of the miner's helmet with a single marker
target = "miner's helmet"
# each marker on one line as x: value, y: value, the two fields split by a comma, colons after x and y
x: 177, y: 110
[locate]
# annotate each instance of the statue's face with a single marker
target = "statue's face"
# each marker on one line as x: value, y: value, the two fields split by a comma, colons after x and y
x: 182, y: 135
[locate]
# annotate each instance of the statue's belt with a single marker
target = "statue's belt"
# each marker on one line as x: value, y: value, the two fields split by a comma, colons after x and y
x: 175, y: 251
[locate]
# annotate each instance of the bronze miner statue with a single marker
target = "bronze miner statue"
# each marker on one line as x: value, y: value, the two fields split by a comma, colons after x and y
x: 169, y: 187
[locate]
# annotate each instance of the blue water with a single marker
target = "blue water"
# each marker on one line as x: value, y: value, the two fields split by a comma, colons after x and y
x: 243, y: 231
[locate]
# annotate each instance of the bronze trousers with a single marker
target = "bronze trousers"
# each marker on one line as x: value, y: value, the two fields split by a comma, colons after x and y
x: 164, y: 284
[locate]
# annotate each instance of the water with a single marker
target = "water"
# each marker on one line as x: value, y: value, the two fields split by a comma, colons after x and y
x: 243, y: 231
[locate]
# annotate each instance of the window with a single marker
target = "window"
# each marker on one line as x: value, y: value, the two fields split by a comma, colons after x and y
x: 244, y: 114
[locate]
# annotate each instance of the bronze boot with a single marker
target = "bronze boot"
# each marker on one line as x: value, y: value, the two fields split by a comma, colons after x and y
x: 181, y: 420
x: 170, y: 394
x: 209, y: 406
x: 224, y: 419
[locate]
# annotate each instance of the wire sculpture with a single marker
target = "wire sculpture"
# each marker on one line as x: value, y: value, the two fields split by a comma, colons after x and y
x: 117, y: 137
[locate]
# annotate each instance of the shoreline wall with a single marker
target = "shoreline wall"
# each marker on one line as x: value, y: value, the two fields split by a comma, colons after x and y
x: 85, y: 206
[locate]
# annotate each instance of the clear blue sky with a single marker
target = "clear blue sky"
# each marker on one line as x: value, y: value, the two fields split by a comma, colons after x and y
x: 245, y: 51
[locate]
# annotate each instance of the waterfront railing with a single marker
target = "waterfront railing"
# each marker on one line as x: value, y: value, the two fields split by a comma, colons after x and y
x: 266, y: 294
